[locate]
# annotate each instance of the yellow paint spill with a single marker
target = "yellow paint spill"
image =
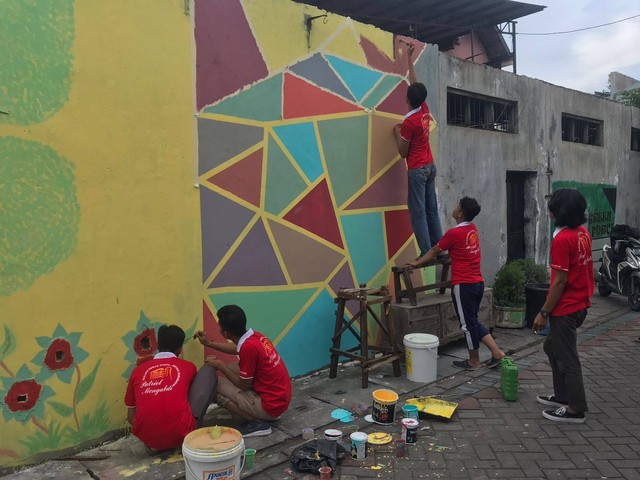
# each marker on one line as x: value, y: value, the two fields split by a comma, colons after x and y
x: 176, y: 457
x: 133, y: 471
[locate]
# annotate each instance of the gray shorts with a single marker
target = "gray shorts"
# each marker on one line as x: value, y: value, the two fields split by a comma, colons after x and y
x: 247, y: 400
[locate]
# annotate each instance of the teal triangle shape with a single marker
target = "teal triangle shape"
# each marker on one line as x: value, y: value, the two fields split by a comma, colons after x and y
x: 345, y: 142
x: 364, y: 235
x: 262, y: 101
x: 359, y: 80
x: 300, y: 140
x: 380, y: 92
x: 268, y: 312
x: 284, y: 183
x: 317, y: 323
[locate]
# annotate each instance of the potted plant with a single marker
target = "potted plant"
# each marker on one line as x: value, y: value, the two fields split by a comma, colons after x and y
x: 509, y: 294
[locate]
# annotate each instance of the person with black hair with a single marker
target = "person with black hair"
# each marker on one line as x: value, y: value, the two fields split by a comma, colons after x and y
x: 566, y: 305
x: 467, y: 284
x: 257, y: 389
x: 412, y: 140
x: 157, y: 394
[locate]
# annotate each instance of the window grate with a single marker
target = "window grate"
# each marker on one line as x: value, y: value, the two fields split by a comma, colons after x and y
x: 582, y: 130
x: 476, y: 111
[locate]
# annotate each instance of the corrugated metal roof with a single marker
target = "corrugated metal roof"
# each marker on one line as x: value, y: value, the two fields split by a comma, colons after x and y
x: 431, y: 21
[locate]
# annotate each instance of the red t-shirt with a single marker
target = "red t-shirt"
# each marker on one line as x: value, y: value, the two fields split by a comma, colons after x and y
x: 571, y: 252
x: 463, y: 244
x: 260, y: 363
x: 159, y: 389
x: 415, y: 130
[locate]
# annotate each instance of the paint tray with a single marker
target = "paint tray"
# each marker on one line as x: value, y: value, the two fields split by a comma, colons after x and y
x: 434, y: 408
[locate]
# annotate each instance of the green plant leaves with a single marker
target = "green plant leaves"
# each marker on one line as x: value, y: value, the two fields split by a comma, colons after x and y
x: 86, y: 383
x: 9, y: 343
x: 42, y: 442
x: 60, y: 408
x: 92, y: 425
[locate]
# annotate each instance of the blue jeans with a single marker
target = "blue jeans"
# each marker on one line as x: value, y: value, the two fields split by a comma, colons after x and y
x: 423, y: 206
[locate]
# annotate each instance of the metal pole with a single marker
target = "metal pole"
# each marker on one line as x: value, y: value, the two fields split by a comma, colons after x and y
x: 513, y: 36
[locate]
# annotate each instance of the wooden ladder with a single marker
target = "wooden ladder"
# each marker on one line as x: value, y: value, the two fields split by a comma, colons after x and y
x: 366, y: 298
x: 404, y: 272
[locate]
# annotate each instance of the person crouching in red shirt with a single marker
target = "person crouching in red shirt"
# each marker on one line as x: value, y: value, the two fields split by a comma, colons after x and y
x: 157, y: 394
x: 257, y: 389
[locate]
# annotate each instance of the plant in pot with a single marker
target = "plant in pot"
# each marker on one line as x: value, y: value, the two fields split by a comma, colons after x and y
x: 509, y: 292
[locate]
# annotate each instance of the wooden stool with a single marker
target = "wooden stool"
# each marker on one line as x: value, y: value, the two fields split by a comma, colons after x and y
x: 404, y: 272
x: 390, y: 352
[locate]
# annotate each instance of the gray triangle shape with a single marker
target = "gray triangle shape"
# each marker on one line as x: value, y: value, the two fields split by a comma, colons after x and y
x: 222, y: 221
x: 317, y: 70
x: 220, y: 141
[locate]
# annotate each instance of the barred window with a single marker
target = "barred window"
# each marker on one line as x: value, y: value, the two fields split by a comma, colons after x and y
x: 471, y: 110
x: 582, y: 130
x: 635, y: 139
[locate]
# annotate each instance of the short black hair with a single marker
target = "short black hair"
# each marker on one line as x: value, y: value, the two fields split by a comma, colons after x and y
x: 470, y: 208
x: 170, y: 338
x: 232, y: 320
x: 568, y: 207
x: 416, y: 94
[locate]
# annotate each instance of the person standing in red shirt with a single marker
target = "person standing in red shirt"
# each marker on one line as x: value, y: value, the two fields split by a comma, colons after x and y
x: 157, y: 394
x: 467, y: 284
x: 257, y: 389
x: 566, y: 305
x: 412, y: 140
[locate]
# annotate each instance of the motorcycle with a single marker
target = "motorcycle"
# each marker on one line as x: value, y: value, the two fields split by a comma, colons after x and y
x: 619, y: 271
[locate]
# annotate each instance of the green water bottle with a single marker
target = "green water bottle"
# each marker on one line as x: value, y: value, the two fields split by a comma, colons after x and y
x: 509, y: 379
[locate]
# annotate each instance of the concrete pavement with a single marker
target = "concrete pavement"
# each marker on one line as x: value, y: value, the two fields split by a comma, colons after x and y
x: 487, y: 437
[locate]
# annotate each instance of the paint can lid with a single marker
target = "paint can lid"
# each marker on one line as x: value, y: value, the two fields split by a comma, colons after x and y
x: 409, y: 422
x: 359, y: 436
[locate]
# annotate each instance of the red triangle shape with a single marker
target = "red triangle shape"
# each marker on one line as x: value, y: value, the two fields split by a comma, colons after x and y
x: 315, y: 213
x: 396, y: 102
x: 398, y: 228
x: 302, y: 99
x: 243, y: 178
x: 387, y: 191
x: 212, y: 329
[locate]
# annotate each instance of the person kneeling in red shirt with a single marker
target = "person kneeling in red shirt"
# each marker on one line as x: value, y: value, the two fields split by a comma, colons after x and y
x: 157, y: 394
x: 259, y: 388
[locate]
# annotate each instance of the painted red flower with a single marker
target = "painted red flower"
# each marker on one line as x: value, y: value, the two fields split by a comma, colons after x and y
x: 145, y: 343
x: 58, y: 356
x: 23, y: 396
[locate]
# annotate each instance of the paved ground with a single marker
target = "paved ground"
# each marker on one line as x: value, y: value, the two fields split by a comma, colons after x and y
x: 488, y: 437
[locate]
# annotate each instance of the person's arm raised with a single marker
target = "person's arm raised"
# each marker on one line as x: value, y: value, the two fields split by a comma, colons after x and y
x: 412, y: 72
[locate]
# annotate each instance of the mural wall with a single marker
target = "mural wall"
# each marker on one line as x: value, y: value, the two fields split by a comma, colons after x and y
x: 99, y: 230
x: 302, y: 190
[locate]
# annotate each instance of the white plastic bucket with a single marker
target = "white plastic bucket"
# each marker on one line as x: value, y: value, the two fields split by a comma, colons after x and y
x: 206, y: 458
x: 422, y: 357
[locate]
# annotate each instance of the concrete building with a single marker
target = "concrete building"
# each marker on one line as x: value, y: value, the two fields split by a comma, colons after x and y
x: 162, y: 159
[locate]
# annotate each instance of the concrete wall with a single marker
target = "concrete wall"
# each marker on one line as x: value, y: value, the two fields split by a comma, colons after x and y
x: 99, y: 231
x: 474, y: 162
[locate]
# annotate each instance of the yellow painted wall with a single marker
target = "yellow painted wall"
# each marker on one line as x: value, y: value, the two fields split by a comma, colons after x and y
x: 128, y: 129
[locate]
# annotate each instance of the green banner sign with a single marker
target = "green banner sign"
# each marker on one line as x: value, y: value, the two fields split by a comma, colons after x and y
x: 601, y: 205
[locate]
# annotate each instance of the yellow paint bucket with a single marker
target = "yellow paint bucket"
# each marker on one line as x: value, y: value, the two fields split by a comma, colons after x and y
x: 213, y: 453
x: 384, y: 406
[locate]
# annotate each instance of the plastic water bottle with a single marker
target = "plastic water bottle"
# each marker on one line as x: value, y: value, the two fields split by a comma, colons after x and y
x: 509, y: 379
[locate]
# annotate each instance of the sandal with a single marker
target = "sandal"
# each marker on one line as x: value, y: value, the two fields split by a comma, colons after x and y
x: 464, y: 364
x: 494, y: 362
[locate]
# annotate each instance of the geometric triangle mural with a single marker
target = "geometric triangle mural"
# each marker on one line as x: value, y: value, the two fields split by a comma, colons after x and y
x: 304, y: 190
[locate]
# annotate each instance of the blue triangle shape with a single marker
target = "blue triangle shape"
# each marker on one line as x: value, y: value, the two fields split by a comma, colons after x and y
x: 300, y: 140
x: 359, y: 80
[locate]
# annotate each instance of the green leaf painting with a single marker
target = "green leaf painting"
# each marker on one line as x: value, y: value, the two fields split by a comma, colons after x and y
x: 40, y: 211
x: 86, y: 383
x: 36, y: 54
x: 9, y: 343
x: 60, y: 408
x: 92, y: 425
x: 40, y: 441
